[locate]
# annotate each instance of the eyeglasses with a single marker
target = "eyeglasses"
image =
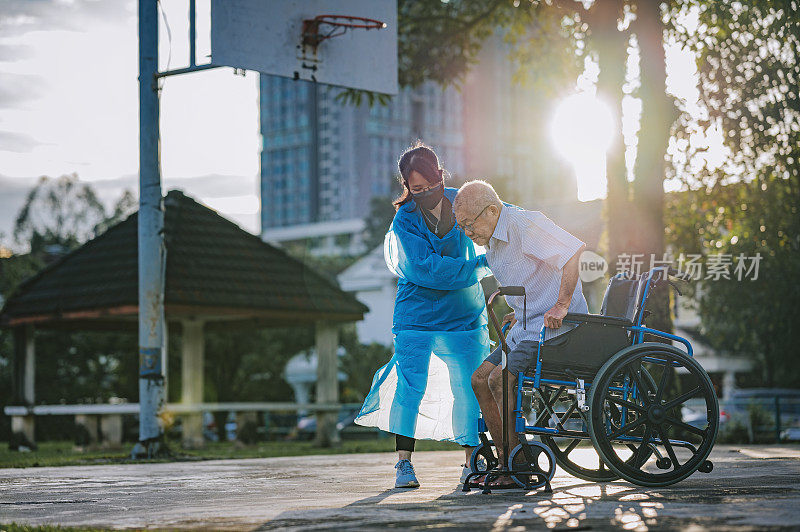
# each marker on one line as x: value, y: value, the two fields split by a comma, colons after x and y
x: 469, y: 226
x: 426, y: 189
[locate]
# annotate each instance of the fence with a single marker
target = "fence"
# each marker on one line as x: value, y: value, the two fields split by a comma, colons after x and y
x: 757, y: 419
x: 104, y: 421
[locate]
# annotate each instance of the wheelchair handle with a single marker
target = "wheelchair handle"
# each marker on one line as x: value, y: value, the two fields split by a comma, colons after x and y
x: 512, y: 290
x: 672, y: 272
x: 506, y: 291
x: 683, y: 276
x: 501, y: 331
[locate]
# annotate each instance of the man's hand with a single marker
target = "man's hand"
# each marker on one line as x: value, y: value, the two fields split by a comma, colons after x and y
x: 553, y: 317
x: 508, y: 318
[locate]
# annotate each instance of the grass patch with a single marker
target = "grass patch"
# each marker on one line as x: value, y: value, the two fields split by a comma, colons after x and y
x: 56, y: 453
x: 64, y: 453
x: 13, y: 527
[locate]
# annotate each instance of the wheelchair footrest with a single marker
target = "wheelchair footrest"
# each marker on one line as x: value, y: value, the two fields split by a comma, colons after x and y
x: 491, y: 476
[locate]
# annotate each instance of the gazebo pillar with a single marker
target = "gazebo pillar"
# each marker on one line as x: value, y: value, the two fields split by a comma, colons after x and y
x: 327, y: 336
x: 192, y: 362
x: 25, y: 379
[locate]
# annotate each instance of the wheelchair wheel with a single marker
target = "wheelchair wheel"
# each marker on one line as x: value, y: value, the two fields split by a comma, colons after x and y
x: 589, y: 467
x: 543, y: 462
x: 640, y: 398
x: 482, y: 459
x: 581, y: 461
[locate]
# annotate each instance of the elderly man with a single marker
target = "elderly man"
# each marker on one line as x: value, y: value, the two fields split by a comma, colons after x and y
x: 523, y: 248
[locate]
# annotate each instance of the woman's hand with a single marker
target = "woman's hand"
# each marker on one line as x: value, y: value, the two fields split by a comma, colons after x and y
x: 508, y: 318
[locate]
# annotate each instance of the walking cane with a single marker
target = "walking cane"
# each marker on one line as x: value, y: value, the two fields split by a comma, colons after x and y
x: 504, y: 350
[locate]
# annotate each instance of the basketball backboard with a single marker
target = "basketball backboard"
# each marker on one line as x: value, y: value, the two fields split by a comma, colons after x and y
x: 267, y: 36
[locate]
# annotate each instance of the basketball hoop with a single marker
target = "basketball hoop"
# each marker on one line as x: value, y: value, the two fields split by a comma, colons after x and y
x: 324, y: 27
x: 294, y: 39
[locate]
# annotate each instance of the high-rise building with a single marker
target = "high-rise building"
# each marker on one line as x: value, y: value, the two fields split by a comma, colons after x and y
x: 506, y: 132
x: 317, y: 182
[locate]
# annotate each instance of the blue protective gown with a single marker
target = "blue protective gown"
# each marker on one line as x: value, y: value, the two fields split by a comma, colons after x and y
x: 440, y: 334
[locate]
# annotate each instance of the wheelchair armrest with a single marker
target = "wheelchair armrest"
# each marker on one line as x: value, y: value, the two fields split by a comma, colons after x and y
x: 597, y: 318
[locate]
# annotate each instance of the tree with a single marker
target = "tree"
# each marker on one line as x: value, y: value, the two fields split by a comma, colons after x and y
x: 80, y: 366
x: 65, y: 212
x: 440, y: 41
x: 658, y: 115
x: 381, y: 214
x: 248, y: 365
x: 748, y: 69
x: 126, y: 205
x: 59, y: 211
x: 359, y: 363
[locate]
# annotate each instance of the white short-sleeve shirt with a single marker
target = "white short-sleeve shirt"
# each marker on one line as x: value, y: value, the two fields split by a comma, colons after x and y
x: 528, y: 249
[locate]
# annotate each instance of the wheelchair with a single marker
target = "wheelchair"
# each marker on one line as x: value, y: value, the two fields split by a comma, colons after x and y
x: 602, y: 403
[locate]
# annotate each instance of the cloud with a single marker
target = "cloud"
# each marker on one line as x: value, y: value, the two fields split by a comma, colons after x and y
x: 10, y: 53
x: 232, y: 196
x: 23, y: 16
x: 19, y: 88
x: 213, y: 185
x: 12, y: 196
x: 209, y: 185
x: 17, y: 142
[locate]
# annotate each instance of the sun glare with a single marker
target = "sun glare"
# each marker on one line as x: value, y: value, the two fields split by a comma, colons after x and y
x: 581, y: 130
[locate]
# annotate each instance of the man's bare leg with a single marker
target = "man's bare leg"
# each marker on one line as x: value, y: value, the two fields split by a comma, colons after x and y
x: 496, y: 387
x: 491, y: 414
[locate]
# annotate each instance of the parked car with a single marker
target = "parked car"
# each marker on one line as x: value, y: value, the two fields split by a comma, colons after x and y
x: 767, y: 400
x: 791, y: 434
x: 697, y: 418
x: 741, y: 405
x: 307, y: 425
x: 738, y: 407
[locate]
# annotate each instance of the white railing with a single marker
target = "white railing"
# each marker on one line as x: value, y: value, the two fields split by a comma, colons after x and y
x: 177, y: 408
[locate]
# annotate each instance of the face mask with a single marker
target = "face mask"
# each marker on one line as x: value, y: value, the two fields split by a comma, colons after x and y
x: 430, y: 198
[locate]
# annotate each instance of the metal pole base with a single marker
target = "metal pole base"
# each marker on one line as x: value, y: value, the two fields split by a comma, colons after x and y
x: 150, y: 449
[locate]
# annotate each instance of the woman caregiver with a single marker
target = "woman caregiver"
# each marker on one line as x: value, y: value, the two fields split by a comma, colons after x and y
x: 439, y: 326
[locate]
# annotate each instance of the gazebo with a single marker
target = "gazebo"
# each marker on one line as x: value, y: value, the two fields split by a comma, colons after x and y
x: 217, y: 276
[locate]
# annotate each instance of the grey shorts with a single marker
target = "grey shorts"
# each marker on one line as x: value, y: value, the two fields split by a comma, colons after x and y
x: 520, y: 358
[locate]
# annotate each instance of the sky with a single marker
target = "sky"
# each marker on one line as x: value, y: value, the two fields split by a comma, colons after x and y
x: 581, y: 125
x: 69, y: 104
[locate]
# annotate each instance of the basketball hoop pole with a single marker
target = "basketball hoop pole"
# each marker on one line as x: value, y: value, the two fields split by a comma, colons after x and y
x: 152, y: 253
x: 151, y: 249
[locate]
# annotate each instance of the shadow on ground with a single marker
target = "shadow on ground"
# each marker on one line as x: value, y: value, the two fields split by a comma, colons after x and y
x: 581, y: 506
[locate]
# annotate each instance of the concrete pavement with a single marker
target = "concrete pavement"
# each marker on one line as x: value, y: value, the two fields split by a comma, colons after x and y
x: 750, y: 488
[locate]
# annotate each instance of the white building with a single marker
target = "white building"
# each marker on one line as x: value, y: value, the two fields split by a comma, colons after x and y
x: 721, y: 367
x: 301, y: 374
x: 376, y: 287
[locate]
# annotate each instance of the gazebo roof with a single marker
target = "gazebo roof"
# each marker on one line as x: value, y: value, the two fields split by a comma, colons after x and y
x: 215, y: 271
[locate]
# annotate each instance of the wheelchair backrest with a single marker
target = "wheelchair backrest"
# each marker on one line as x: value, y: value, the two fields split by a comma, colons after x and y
x: 621, y: 298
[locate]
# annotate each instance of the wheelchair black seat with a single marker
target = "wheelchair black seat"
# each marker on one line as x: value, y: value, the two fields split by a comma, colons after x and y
x: 581, y: 351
